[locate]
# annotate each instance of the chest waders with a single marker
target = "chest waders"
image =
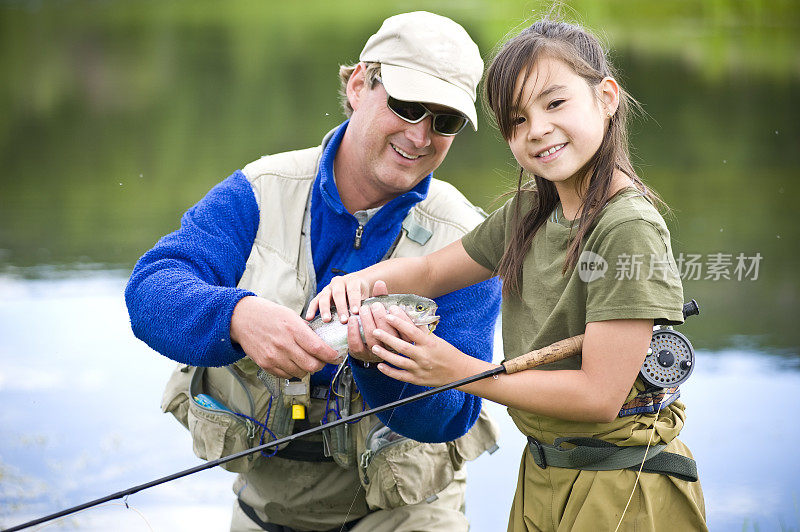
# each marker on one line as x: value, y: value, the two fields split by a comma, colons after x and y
x: 669, y: 362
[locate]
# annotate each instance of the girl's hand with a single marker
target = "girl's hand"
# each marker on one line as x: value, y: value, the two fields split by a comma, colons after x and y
x: 345, y: 292
x: 426, y: 359
x: 371, y: 318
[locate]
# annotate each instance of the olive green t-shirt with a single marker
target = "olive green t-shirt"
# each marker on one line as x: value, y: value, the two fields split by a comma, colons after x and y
x: 626, y: 271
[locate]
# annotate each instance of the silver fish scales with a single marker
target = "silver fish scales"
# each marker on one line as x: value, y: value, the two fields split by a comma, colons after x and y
x: 421, y: 310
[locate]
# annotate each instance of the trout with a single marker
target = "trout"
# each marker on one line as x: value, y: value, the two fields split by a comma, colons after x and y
x: 421, y: 310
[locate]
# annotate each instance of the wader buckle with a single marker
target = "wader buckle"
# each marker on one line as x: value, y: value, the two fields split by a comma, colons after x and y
x: 534, y: 443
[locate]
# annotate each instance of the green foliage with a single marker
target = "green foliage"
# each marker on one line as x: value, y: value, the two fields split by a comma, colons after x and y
x: 118, y: 115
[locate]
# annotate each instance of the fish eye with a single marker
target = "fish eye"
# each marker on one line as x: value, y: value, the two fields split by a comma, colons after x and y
x: 420, y: 307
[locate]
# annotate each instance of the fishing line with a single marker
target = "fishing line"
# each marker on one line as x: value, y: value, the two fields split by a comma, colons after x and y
x: 358, y: 489
x: 639, y: 473
x: 557, y: 351
x: 667, y: 371
x: 337, y: 375
x: 125, y: 504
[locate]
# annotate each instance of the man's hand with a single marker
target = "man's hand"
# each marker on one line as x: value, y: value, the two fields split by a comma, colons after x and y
x: 277, y: 339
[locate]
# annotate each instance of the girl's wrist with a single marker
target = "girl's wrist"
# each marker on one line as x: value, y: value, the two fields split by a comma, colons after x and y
x: 470, y: 366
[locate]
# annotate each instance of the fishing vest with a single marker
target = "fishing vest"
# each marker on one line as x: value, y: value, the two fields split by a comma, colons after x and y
x: 280, y: 269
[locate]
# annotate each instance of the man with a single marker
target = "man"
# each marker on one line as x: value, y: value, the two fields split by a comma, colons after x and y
x: 224, y: 293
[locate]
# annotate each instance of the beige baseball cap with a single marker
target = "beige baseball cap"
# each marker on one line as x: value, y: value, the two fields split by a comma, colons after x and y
x: 427, y: 58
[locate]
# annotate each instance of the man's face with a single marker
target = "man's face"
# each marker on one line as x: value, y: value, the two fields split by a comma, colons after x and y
x: 394, y: 155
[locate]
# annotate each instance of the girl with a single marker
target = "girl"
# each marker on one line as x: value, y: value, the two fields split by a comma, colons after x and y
x: 582, y: 249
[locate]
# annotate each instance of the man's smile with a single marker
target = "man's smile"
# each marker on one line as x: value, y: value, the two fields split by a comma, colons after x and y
x: 404, y: 154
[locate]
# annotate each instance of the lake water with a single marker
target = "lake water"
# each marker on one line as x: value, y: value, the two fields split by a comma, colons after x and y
x: 117, y: 116
x: 81, y: 419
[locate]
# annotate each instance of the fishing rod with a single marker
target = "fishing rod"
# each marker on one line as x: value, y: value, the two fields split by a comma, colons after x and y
x: 557, y: 351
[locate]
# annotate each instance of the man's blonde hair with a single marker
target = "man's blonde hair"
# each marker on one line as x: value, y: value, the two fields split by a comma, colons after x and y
x: 372, y: 75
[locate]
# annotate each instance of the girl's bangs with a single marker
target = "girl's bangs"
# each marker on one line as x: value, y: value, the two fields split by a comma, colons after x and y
x: 518, y: 61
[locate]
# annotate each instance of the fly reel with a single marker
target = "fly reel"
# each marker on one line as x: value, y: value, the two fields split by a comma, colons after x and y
x: 669, y: 361
x: 670, y: 358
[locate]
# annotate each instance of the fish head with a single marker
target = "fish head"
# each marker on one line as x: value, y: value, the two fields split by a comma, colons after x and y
x: 421, y: 310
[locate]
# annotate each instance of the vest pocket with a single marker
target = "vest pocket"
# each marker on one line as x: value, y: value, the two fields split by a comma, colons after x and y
x: 175, y: 399
x: 396, y: 471
x: 216, y: 431
x: 482, y: 437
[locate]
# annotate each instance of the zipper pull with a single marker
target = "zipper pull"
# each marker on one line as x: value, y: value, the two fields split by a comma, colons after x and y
x: 359, y: 232
x: 366, y: 458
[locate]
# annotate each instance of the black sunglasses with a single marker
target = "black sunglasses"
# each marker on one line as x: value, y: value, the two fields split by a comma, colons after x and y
x: 446, y: 124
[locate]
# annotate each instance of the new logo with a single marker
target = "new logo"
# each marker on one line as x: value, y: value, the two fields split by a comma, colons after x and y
x: 591, y: 266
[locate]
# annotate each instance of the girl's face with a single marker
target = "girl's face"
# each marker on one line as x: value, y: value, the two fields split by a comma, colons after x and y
x: 561, y: 122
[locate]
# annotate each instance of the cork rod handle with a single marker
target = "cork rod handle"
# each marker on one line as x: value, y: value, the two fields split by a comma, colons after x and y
x: 558, y: 351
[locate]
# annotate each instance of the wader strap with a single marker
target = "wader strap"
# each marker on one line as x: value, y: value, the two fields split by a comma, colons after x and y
x: 591, y: 454
x: 271, y: 527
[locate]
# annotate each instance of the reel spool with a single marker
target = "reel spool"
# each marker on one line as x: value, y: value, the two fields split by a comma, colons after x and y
x: 669, y: 361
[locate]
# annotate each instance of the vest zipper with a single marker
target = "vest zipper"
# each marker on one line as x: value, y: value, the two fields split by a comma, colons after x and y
x: 357, y: 241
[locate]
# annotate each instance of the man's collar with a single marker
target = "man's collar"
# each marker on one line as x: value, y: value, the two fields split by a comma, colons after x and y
x: 327, y: 183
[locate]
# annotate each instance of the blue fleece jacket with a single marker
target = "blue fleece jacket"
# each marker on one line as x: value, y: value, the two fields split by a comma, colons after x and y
x: 182, y: 293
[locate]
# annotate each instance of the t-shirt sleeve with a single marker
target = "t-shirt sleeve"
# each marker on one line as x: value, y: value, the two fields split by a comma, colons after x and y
x: 641, y: 279
x: 486, y: 243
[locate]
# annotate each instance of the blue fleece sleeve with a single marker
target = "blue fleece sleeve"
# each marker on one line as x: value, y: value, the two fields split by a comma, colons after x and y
x: 468, y: 321
x: 182, y: 292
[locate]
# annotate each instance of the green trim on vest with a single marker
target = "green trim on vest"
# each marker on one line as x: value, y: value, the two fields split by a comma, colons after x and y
x: 416, y: 232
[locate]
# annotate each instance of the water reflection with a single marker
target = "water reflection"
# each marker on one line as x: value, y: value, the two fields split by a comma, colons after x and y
x: 82, y: 416
x: 117, y: 122
x: 82, y: 420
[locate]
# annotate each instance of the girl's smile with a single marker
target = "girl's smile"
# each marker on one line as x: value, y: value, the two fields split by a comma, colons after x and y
x: 551, y: 153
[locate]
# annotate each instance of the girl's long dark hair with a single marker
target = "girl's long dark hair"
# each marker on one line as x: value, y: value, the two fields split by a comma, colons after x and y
x: 585, y: 55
